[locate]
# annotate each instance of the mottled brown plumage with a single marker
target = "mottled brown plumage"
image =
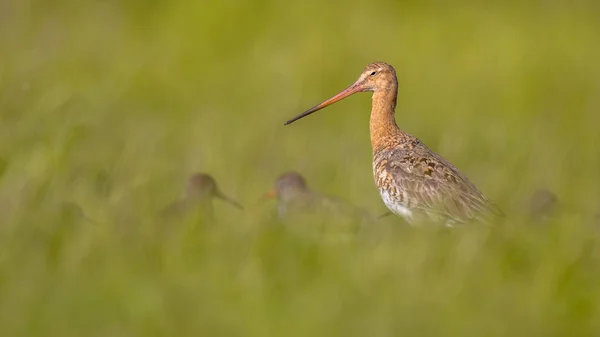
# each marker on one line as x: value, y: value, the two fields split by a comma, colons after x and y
x: 414, y: 182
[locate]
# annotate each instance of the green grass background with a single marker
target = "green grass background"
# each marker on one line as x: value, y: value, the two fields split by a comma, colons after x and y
x: 111, y: 104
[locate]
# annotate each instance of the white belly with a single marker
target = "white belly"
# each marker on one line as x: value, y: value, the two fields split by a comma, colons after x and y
x: 395, y: 206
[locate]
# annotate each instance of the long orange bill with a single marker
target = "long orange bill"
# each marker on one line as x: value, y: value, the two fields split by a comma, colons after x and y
x: 354, y: 88
x: 225, y: 198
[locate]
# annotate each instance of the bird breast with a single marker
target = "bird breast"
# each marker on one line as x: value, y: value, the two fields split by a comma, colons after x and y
x: 393, y: 204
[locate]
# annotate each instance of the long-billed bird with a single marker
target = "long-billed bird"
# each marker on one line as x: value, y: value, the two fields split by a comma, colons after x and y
x: 414, y: 182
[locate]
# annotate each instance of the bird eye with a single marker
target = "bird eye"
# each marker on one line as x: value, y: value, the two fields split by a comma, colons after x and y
x: 374, y: 73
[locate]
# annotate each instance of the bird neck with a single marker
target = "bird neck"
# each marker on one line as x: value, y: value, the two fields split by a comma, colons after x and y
x: 383, y: 127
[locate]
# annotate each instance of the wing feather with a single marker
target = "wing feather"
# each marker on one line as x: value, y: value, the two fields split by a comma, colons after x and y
x: 432, y: 184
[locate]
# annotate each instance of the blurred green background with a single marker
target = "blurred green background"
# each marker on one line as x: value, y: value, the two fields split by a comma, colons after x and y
x: 112, y: 104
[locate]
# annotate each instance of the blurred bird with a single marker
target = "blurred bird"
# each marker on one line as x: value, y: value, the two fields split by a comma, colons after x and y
x: 542, y: 204
x: 200, y: 190
x: 414, y: 182
x: 298, y: 203
x: 545, y: 205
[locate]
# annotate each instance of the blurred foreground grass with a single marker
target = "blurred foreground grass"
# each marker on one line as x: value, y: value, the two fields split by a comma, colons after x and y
x: 112, y: 104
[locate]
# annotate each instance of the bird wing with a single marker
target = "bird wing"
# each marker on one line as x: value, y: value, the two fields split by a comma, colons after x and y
x: 430, y: 183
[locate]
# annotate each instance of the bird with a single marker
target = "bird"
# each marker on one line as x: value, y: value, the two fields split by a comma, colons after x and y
x: 542, y: 204
x: 200, y: 190
x: 300, y: 205
x: 294, y: 195
x: 414, y: 182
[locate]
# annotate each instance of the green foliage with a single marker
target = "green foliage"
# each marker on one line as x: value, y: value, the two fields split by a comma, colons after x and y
x: 111, y: 104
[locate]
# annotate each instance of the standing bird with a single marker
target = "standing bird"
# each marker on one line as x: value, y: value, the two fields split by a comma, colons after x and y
x: 200, y: 190
x: 414, y: 182
x: 294, y: 196
x: 314, y: 215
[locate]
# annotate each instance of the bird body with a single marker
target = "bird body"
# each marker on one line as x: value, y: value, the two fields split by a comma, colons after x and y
x: 299, y: 204
x: 186, y: 207
x: 316, y: 203
x: 414, y: 182
x: 418, y: 184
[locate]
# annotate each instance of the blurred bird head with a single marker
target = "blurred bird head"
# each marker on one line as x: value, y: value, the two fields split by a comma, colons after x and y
x: 203, y: 186
x: 542, y: 204
x: 288, y: 186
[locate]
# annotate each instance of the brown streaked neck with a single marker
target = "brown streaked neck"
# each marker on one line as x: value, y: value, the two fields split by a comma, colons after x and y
x: 383, y: 127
